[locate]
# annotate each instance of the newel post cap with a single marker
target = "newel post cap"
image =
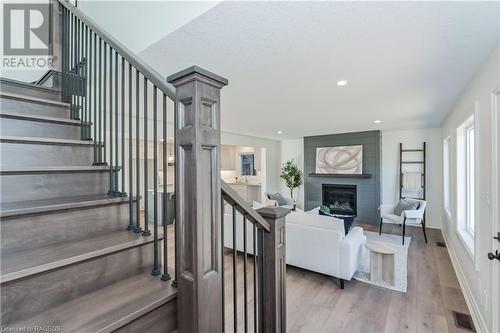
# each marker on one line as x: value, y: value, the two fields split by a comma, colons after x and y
x: 273, y: 213
x: 195, y: 73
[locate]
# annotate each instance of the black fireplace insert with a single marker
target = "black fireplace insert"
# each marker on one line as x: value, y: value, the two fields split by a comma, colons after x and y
x: 341, y: 199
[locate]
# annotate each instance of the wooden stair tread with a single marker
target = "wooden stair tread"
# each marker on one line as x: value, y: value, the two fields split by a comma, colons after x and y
x: 28, y: 85
x: 53, y: 169
x: 51, y: 205
x: 21, y: 264
x: 39, y: 118
x: 109, y: 308
x: 45, y: 141
x: 32, y: 99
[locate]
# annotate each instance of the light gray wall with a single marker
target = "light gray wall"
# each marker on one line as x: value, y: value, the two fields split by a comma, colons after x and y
x: 368, y: 189
x: 474, y: 270
x: 413, y: 139
x: 293, y: 150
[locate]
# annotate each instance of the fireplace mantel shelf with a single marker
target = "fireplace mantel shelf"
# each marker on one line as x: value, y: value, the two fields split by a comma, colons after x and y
x: 338, y: 175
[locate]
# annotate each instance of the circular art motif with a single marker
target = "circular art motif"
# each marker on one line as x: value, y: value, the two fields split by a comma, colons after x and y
x: 339, y: 160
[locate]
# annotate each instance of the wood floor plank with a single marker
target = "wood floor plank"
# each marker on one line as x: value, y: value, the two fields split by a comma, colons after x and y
x: 315, y: 302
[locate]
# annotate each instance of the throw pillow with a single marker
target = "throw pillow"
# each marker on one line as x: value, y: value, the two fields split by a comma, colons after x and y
x: 279, y: 198
x: 405, y: 204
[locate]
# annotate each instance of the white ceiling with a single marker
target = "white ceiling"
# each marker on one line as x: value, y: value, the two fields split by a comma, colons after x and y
x: 406, y: 62
x: 138, y: 24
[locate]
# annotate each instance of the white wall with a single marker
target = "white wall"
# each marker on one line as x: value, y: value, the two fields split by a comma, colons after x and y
x: 413, y: 139
x: 474, y: 272
x: 293, y: 149
x: 272, y: 157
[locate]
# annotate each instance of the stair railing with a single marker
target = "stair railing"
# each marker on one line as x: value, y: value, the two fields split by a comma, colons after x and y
x: 203, y: 233
x: 121, y: 102
x: 259, y: 234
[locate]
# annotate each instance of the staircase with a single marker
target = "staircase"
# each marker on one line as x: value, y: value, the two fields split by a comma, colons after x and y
x: 67, y: 258
x: 85, y: 240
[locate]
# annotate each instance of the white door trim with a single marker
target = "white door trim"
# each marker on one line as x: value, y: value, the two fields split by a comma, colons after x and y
x: 495, y: 196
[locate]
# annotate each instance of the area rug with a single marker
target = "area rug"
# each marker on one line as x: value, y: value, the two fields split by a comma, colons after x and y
x: 400, y: 262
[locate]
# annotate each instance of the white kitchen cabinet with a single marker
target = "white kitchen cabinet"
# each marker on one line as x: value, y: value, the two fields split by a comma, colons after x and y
x: 228, y: 157
x: 249, y: 192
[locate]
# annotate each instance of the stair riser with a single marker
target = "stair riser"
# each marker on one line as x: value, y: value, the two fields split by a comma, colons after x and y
x: 21, y: 299
x: 13, y: 88
x: 19, y: 127
x: 32, y: 231
x: 161, y: 320
x: 36, y: 155
x: 27, y: 107
x: 17, y: 188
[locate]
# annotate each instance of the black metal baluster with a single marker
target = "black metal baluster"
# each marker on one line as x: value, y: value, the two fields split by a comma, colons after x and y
x: 100, y: 105
x: 85, y: 80
x: 156, y: 264
x: 72, y: 59
x: 78, y: 74
x: 75, y: 83
x: 63, y: 55
x: 79, y: 77
x: 261, y: 277
x: 88, y: 98
x: 123, y: 192
x: 93, y: 53
x: 137, y: 155
x: 235, y: 280
x: 223, y: 264
x: 165, y: 276
x: 104, y: 105
x: 111, y: 160
x: 255, y: 278
x: 146, y: 231
x: 117, y: 148
x: 130, y: 171
x: 245, y: 287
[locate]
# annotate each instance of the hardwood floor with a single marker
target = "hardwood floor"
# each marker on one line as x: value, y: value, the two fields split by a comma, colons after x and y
x: 315, y: 302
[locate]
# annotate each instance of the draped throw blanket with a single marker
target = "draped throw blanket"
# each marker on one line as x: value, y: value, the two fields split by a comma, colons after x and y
x: 412, y: 181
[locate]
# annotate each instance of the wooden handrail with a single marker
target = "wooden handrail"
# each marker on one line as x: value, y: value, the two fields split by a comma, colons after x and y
x: 234, y: 199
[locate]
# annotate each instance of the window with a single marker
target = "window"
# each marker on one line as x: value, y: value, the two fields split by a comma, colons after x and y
x: 466, y: 165
x: 469, y: 177
x: 446, y: 175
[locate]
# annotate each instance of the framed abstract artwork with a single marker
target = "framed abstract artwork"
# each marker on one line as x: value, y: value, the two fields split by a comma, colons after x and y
x: 340, y: 160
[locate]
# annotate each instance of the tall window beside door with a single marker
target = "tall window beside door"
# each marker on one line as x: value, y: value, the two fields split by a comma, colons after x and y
x: 447, y: 176
x: 469, y: 177
x: 466, y: 165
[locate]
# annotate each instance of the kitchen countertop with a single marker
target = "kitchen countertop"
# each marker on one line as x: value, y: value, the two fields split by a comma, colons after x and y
x: 243, y: 183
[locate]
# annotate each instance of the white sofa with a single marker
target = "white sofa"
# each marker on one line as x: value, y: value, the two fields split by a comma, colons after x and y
x: 313, y: 242
x: 317, y: 243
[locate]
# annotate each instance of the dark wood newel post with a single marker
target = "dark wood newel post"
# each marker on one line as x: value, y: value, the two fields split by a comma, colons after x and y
x: 273, y: 261
x: 197, y: 199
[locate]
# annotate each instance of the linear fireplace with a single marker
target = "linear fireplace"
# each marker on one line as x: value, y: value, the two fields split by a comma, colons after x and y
x: 342, y: 199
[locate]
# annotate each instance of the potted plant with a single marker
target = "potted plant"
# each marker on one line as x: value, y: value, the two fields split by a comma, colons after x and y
x: 292, y: 176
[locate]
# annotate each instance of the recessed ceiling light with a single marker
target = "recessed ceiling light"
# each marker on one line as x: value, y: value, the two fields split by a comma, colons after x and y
x: 341, y: 83
x: 377, y: 121
x: 279, y: 132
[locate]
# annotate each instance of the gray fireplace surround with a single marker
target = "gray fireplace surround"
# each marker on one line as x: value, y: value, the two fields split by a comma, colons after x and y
x: 367, y: 187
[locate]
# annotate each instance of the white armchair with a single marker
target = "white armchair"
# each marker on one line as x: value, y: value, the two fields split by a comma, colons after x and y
x: 415, y: 216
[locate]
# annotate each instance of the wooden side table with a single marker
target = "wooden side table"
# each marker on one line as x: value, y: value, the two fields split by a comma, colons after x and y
x: 381, y: 261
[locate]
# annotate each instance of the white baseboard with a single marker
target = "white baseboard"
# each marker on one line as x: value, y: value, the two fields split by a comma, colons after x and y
x: 477, y: 318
